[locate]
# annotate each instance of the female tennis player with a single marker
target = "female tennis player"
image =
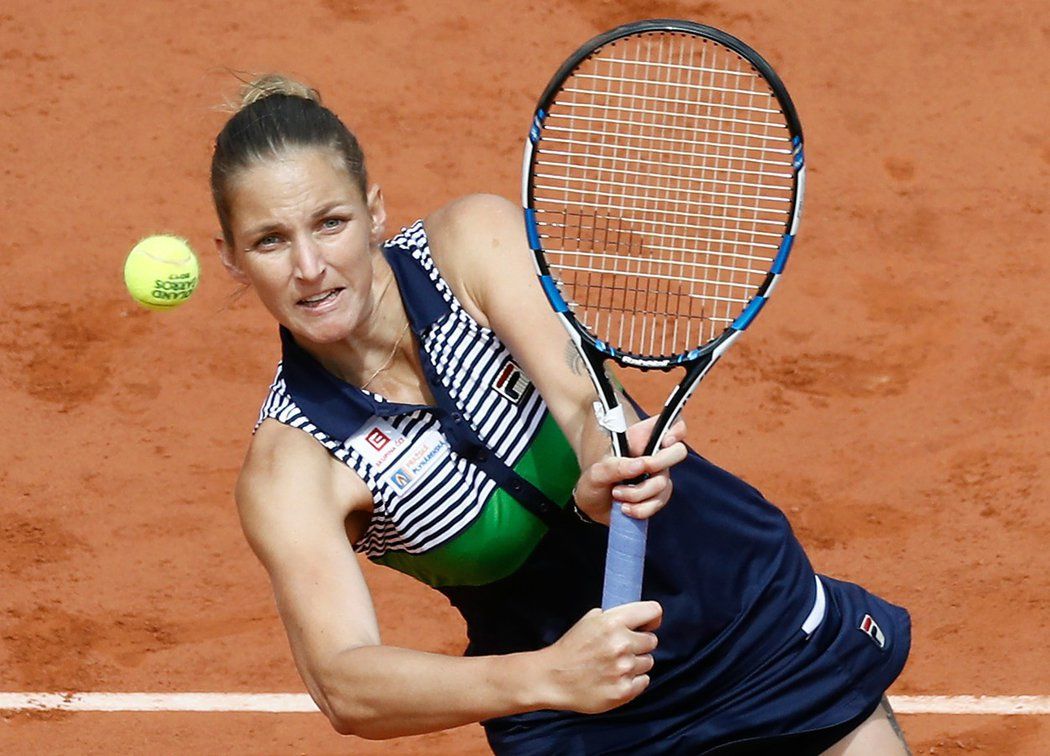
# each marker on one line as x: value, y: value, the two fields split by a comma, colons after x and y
x: 430, y: 413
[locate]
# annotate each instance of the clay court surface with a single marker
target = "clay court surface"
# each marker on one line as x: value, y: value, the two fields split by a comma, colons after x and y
x: 893, y: 402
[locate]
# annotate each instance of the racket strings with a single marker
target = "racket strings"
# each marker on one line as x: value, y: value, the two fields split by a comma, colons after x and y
x: 662, y: 184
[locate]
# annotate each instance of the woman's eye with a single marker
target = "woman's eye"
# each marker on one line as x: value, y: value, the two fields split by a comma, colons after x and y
x: 268, y: 242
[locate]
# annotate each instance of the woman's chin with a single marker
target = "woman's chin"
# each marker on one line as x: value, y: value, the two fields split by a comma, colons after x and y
x: 319, y: 332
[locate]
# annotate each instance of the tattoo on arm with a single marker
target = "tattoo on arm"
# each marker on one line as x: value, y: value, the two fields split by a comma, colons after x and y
x: 893, y: 723
x: 574, y: 360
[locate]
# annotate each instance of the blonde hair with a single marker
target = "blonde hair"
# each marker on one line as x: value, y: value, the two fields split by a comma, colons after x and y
x: 275, y: 84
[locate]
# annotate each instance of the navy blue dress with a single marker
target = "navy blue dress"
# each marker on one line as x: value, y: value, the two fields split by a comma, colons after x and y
x: 754, y: 650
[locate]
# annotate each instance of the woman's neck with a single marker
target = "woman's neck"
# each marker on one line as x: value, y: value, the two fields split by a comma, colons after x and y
x: 381, y: 354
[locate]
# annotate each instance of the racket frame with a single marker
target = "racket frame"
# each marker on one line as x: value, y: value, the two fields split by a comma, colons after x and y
x: 625, y: 558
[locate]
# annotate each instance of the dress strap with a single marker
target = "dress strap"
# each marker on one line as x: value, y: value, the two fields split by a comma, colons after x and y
x: 465, y: 442
x: 424, y: 302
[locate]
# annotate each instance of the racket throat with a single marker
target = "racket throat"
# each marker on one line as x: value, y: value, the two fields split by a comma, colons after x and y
x: 677, y: 399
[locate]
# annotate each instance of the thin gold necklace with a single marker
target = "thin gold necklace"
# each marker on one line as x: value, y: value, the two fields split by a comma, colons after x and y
x: 389, y: 359
x: 397, y: 343
x: 386, y: 286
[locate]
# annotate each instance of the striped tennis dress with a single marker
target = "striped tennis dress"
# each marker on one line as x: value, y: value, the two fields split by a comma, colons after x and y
x: 472, y: 496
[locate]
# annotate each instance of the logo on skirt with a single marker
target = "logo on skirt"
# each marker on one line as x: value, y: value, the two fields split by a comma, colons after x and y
x: 870, y: 628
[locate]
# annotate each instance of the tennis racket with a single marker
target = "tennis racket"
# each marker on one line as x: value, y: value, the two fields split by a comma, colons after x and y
x: 662, y: 185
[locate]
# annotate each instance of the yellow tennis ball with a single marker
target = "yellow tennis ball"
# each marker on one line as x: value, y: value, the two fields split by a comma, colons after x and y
x: 161, y: 272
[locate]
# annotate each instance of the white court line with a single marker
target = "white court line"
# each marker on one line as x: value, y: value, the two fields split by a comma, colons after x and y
x: 274, y: 703
x: 300, y: 703
x: 970, y: 704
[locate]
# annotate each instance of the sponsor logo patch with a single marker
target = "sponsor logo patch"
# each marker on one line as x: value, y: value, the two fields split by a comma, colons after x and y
x: 425, y: 454
x: 378, y: 442
x: 400, y: 478
x: 869, y: 627
x: 377, y: 439
x: 398, y: 461
x: 512, y: 383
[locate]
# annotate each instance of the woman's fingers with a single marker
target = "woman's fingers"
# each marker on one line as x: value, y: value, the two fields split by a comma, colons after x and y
x: 616, y: 469
x: 674, y: 434
x: 613, y: 470
x: 645, y: 509
x: 645, y: 498
x: 665, y: 458
x: 604, y: 659
x: 637, y: 493
x: 637, y: 615
x: 643, y: 664
x: 640, y: 484
x: 629, y: 468
x: 642, y: 499
x: 638, y: 435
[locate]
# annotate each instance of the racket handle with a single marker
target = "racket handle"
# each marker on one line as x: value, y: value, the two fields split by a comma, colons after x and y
x: 624, y: 559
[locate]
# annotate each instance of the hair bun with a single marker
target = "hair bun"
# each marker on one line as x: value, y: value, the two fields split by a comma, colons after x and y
x: 276, y: 84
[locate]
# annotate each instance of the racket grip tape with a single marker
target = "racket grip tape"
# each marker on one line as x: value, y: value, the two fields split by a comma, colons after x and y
x: 625, y: 559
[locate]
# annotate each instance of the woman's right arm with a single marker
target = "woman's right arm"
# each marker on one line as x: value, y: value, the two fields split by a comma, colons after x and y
x: 299, y: 508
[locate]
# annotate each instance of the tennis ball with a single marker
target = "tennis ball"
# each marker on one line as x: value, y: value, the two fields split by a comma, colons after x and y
x: 161, y: 272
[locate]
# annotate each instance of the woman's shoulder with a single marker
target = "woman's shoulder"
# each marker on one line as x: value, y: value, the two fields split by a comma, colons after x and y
x: 473, y: 223
x: 472, y: 239
x: 474, y: 211
x: 285, y: 467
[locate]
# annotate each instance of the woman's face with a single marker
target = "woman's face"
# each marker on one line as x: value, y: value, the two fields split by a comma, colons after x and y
x: 305, y: 239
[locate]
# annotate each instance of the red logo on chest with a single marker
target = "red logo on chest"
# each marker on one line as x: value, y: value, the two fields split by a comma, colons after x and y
x: 377, y: 439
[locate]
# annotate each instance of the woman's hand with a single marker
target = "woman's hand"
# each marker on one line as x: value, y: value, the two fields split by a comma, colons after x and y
x: 603, y: 660
x: 604, y: 482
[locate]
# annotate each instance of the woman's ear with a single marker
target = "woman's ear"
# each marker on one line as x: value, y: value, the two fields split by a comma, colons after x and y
x: 229, y: 261
x: 377, y: 210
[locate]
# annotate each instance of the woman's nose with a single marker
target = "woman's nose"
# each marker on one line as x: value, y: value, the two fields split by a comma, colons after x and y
x: 309, y: 260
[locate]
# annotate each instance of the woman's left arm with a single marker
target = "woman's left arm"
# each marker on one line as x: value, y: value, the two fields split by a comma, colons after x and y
x: 481, y: 246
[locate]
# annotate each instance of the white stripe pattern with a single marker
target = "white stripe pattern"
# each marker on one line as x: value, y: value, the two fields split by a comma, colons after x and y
x: 468, y: 360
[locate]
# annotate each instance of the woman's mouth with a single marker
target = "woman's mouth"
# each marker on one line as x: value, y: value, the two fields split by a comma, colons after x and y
x: 319, y: 300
